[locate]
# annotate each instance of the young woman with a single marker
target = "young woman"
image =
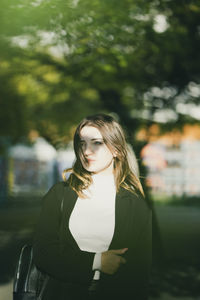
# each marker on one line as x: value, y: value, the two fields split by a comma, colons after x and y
x: 94, y: 232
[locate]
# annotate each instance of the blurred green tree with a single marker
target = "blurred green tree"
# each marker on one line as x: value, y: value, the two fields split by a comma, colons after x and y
x: 65, y: 59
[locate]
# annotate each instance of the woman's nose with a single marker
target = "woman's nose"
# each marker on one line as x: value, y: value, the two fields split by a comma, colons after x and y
x: 87, y: 150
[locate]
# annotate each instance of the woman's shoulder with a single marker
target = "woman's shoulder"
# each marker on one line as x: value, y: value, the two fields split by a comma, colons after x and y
x: 61, y: 187
x: 135, y: 198
x: 56, y: 189
x: 57, y: 186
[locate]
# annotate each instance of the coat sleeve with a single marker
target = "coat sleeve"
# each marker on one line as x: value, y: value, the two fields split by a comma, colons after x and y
x: 67, y: 264
x: 131, y: 281
x: 139, y: 254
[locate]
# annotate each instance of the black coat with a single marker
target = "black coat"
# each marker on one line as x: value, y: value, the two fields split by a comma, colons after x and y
x: 57, y: 253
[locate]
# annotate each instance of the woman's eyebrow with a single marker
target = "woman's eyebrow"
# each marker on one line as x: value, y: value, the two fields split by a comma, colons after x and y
x: 92, y: 139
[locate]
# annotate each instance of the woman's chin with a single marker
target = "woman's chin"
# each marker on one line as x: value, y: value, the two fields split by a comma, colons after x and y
x: 91, y: 170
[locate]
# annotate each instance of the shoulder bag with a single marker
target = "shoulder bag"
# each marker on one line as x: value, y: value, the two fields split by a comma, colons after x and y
x: 29, y: 282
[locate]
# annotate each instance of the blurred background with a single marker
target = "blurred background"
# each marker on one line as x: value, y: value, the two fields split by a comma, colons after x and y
x: 137, y: 60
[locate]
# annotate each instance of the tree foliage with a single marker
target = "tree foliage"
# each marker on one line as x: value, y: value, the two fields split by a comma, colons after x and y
x: 65, y: 59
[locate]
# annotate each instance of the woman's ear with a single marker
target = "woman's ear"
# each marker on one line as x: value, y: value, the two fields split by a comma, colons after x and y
x: 115, y: 153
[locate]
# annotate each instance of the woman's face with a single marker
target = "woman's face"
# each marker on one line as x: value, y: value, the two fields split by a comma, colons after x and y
x: 98, y: 157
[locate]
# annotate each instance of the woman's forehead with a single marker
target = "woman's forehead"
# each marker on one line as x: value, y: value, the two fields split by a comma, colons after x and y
x: 90, y: 132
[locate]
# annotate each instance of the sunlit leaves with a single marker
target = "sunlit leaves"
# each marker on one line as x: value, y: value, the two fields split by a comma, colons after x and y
x: 34, y: 91
x: 69, y: 58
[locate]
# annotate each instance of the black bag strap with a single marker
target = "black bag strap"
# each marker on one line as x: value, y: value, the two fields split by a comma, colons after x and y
x: 62, y: 201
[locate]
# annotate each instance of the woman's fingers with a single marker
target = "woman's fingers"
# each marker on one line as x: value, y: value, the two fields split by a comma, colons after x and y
x: 119, y: 251
x: 111, y: 260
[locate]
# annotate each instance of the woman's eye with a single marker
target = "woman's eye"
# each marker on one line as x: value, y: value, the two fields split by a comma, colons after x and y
x: 98, y: 143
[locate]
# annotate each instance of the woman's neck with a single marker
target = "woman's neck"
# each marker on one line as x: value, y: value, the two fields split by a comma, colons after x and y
x: 108, y: 171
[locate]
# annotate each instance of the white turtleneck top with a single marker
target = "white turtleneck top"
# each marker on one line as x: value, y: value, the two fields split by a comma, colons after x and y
x: 92, y: 220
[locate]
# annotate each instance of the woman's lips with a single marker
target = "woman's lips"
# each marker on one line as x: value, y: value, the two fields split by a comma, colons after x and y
x: 90, y: 160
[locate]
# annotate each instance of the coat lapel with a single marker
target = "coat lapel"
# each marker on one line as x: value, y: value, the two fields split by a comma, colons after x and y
x: 124, y: 217
x: 70, y: 198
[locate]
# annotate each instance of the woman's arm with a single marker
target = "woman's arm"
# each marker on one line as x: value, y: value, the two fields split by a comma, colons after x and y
x: 63, y: 263
x: 131, y: 279
x: 139, y: 255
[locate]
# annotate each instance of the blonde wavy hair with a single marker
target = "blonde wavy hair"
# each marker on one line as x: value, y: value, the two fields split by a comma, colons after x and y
x: 114, y: 138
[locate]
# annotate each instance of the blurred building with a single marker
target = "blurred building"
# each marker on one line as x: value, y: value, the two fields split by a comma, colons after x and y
x: 31, y: 168
x: 65, y: 159
x: 172, y: 161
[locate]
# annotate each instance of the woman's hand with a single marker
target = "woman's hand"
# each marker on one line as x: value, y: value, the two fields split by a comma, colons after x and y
x: 111, y: 260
